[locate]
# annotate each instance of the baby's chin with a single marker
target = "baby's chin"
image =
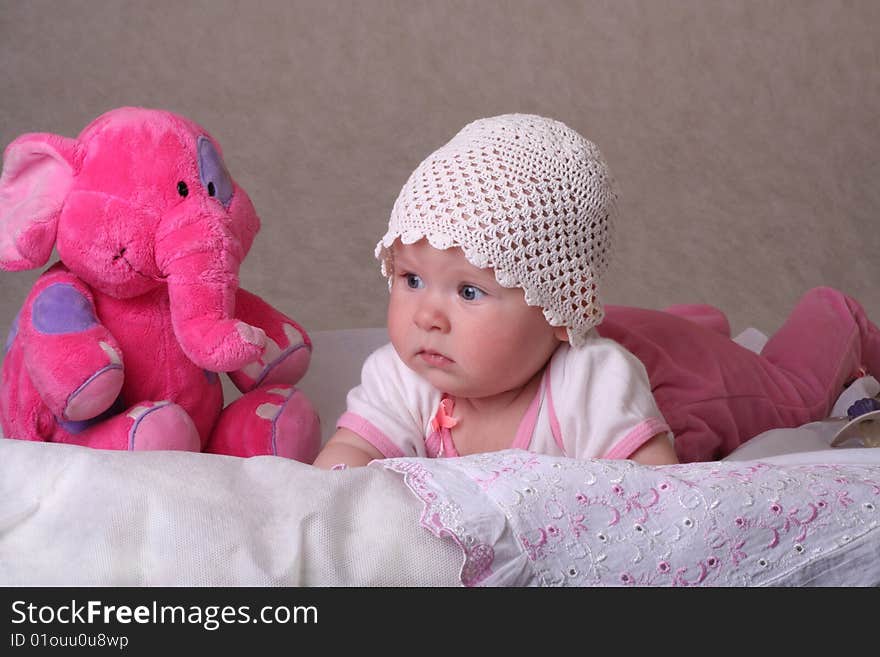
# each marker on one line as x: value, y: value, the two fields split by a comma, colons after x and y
x: 444, y: 379
x: 455, y: 384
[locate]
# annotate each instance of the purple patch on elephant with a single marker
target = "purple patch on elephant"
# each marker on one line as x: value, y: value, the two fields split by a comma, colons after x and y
x: 61, y: 308
x: 13, y: 331
x: 211, y: 377
x: 213, y: 174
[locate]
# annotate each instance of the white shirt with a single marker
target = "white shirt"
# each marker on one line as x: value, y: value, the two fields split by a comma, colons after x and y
x: 593, y: 402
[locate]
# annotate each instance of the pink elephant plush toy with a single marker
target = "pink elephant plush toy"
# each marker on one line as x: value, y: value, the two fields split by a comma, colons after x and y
x: 118, y: 345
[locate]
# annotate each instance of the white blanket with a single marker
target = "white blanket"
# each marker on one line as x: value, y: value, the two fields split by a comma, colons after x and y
x: 77, y: 516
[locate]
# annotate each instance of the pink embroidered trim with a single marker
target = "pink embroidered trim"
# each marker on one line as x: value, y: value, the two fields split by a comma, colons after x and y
x: 478, y: 558
x: 363, y: 428
x: 639, y: 435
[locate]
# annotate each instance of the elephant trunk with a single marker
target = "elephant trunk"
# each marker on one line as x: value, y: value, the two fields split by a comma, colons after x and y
x: 199, y: 253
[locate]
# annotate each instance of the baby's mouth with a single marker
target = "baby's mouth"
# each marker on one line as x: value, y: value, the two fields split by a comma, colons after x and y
x: 435, y: 358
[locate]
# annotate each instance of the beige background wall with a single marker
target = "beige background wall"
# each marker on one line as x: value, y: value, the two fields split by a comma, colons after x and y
x: 745, y: 134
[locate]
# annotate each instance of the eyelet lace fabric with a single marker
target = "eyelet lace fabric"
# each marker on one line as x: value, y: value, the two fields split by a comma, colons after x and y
x: 526, y: 196
x: 524, y: 519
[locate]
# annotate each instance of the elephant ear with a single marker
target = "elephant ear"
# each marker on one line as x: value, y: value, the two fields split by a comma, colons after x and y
x: 38, y: 172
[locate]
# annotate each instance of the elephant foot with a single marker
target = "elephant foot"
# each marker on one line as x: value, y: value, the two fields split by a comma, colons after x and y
x: 145, y: 426
x: 277, y: 420
x: 283, y: 363
x: 162, y: 425
x: 95, y: 395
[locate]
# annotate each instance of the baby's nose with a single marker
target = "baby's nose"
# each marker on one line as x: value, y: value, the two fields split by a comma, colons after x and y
x: 431, y: 316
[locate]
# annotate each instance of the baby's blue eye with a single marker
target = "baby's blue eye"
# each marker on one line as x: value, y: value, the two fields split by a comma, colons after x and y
x: 471, y: 293
x: 413, y: 281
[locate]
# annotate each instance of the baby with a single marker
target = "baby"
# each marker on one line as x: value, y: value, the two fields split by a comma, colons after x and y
x: 494, y: 254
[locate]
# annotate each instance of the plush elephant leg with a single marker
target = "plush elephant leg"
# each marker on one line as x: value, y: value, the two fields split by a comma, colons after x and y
x: 288, y: 348
x: 276, y: 420
x: 73, y: 360
x: 145, y: 426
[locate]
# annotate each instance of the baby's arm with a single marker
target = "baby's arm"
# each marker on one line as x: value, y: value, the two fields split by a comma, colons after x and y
x: 657, y: 451
x: 346, y: 447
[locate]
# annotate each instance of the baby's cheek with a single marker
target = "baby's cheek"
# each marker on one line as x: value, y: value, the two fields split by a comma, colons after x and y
x: 398, y: 319
x: 491, y: 354
x: 516, y: 355
x: 396, y: 334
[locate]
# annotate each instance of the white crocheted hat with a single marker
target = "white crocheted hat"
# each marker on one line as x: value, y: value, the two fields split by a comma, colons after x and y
x: 522, y: 194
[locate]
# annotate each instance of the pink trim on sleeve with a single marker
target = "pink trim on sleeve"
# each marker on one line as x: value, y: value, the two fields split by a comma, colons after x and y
x: 363, y: 428
x: 640, y: 434
x: 526, y: 429
x: 551, y: 411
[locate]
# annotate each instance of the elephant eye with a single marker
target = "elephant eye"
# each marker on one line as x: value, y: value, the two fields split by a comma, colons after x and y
x: 213, y: 174
x: 182, y: 189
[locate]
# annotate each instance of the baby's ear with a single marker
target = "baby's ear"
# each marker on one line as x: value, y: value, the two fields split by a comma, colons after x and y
x: 561, y: 333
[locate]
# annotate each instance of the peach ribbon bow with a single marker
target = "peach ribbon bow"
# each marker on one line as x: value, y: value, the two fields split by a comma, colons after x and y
x: 444, y: 419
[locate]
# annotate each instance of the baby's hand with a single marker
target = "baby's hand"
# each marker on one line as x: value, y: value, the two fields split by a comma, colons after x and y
x: 344, y: 450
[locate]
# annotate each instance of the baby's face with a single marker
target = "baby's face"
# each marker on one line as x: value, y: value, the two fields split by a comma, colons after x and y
x: 454, y: 325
